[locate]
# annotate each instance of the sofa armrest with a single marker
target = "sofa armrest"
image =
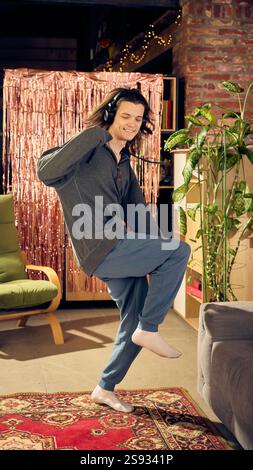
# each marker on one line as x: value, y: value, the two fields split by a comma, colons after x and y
x: 227, y: 320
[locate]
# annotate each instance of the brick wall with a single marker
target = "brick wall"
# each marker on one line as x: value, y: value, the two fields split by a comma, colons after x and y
x: 214, y: 43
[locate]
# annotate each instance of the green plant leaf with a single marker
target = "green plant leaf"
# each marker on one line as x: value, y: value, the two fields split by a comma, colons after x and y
x: 199, y: 233
x: 179, y: 193
x: 189, y: 126
x: 212, y: 208
x: 231, y: 115
x: 242, y: 185
x: 205, y: 106
x: 182, y: 221
x: 187, y: 171
x: 192, y: 212
x: 190, y: 165
x: 194, y: 120
x: 176, y: 139
x: 247, y: 199
x: 242, y: 199
x: 207, y: 114
x: 239, y: 205
x: 233, y: 87
x: 174, y: 134
x: 202, y: 136
x: 232, y: 251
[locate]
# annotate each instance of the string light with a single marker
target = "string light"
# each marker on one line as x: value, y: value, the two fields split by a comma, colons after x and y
x: 150, y: 36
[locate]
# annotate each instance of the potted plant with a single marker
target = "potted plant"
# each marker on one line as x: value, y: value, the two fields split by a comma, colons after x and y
x: 217, y: 152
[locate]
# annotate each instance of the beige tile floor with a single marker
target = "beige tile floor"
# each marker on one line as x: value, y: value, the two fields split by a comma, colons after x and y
x: 31, y: 362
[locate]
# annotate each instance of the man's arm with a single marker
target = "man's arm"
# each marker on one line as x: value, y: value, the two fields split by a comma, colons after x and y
x: 56, y: 163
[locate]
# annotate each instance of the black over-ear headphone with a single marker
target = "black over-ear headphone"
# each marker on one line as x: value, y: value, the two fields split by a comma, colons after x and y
x: 110, y: 110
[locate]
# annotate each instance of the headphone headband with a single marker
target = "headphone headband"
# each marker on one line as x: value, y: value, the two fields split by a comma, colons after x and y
x: 118, y: 95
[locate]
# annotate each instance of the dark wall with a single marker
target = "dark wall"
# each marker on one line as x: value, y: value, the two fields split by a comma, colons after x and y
x: 44, y: 38
x: 60, y: 37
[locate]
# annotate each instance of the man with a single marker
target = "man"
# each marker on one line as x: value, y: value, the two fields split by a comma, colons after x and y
x: 95, y: 164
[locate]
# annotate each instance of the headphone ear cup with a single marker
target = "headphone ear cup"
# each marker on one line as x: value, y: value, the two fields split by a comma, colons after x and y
x: 109, y: 114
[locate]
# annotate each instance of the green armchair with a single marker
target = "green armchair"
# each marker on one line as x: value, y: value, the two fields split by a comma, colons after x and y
x: 21, y: 297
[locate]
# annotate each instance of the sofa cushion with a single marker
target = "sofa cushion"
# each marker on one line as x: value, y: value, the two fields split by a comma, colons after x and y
x: 223, y: 320
x: 26, y: 293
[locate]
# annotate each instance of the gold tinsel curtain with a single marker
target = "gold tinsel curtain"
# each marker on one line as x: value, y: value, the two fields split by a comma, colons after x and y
x: 43, y: 109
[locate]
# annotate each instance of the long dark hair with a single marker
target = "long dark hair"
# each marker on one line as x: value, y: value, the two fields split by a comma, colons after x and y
x: 133, y: 95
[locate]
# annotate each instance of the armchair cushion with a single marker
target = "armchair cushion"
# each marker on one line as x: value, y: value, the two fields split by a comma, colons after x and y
x: 11, y: 267
x: 26, y: 293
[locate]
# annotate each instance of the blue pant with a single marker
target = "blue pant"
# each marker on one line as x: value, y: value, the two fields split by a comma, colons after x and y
x: 141, y: 305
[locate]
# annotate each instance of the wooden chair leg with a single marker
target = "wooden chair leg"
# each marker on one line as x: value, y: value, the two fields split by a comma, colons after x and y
x: 23, y: 320
x: 56, y: 329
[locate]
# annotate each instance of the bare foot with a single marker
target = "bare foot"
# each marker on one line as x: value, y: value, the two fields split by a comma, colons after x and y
x: 105, y: 397
x: 155, y: 343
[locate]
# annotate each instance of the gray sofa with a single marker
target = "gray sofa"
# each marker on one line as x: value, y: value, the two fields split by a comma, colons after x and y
x: 225, y: 365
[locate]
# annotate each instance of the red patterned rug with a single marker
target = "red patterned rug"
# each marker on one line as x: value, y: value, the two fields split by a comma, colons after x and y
x: 163, y: 419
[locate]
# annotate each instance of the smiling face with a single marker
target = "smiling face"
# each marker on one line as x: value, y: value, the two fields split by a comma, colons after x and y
x: 127, y: 121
